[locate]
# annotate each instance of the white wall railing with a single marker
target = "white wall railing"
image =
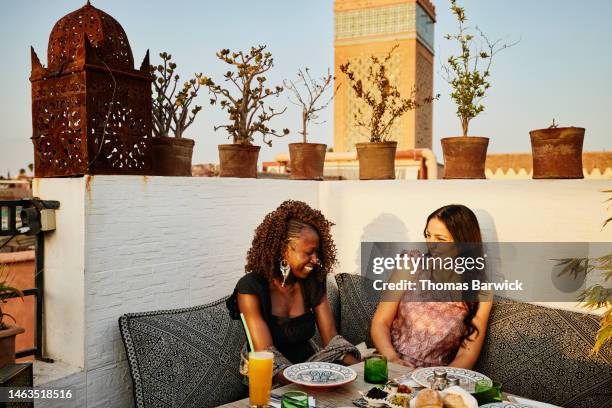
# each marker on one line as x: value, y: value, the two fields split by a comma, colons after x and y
x: 131, y: 244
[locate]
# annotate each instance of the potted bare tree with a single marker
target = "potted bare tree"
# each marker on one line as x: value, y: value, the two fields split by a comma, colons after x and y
x: 7, y: 332
x: 384, y: 105
x: 467, y: 74
x: 247, y: 111
x: 557, y: 152
x: 172, y: 115
x: 307, y: 159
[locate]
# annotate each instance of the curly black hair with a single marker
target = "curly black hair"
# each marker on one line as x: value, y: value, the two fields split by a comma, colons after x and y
x: 271, y: 237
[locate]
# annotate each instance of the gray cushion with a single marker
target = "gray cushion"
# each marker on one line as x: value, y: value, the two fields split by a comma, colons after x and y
x: 358, y: 302
x: 543, y: 354
x: 184, y: 357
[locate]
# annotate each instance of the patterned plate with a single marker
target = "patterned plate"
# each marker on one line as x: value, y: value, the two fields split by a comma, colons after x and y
x: 320, y: 374
x: 504, y: 405
x: 423, y: 375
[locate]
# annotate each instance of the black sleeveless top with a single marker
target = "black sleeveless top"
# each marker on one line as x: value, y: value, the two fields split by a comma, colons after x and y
x: 290, y: 335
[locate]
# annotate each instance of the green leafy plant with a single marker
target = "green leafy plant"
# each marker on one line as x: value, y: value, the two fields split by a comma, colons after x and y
x: 6, y: 292
x: 247, y: 111
x: 468, y: 72
x: 171, y: 102
x: 308, y: 96
x: 596, y: 296
x: 382, y: 98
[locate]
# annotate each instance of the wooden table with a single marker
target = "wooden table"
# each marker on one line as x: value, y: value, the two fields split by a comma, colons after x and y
x: 342, y: 396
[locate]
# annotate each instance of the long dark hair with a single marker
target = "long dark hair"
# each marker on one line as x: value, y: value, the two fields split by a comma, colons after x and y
x: 463, y: 226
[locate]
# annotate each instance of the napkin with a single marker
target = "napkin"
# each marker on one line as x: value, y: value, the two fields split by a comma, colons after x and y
x: 530, y: 403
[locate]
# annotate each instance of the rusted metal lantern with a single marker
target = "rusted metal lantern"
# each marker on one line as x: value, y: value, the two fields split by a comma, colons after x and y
x: 91, y: 110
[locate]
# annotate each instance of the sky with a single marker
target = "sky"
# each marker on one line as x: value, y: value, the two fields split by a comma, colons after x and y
x: 560, y: 69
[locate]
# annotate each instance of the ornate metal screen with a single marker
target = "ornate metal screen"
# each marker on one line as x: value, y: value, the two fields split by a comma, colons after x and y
x: 91, y: 110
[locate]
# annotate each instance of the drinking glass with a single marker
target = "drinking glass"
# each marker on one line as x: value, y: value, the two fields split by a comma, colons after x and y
x: 294, y: 399
x: 375, y: 369
x: 486, y: 392
x: 260, y: 378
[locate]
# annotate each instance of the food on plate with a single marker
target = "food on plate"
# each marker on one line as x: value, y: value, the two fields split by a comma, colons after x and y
x: 428, y: 399
x: 376, y: 393
x: 401, y: 400
x: 454, y: 401
x: 404, y: 389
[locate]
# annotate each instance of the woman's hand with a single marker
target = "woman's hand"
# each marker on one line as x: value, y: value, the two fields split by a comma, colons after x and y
x: 405, y: 363
x: 350, y: 359
x: 281, y: 379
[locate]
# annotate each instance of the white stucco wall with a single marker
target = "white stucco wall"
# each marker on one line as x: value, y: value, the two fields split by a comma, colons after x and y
x: 507, y: 210
x: 64, y: 273
x: 131, y: 244
x: 134, y: 244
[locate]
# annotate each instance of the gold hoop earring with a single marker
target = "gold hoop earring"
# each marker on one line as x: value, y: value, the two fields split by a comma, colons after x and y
x: 285, y: 269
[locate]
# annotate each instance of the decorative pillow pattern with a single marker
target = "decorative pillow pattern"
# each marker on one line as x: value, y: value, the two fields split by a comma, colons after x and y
x: 543, y: 354
x: 358, y: 302
x: 184, y: 357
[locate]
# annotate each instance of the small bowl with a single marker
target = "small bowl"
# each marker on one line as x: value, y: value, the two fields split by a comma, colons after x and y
x: 391, y: 397
x: 374, y: 402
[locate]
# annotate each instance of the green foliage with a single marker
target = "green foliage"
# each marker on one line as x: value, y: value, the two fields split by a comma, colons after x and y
x: 596, y: 296
x: 171, y: 103
x: 382, y: 98
x: 309, y: 95
x: 247, y: 112
x: 468, y: 73
x: 6, y: 292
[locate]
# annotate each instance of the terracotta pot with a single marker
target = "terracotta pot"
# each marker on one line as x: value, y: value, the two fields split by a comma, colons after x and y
x: 7, y: 344
x: 307, y: 160
x: 172, y: 156
x: 236, y: 160
x: 376, y: 160
x: 557, y: 153
x: 464, y: 157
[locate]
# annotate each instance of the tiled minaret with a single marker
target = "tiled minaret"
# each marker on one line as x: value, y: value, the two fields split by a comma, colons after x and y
x: 372, y: 27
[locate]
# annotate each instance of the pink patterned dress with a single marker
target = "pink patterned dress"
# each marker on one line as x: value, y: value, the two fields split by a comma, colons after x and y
x: 427, y: 334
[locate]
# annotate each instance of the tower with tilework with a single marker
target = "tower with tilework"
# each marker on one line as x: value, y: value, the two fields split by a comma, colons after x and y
x: 372, y: 27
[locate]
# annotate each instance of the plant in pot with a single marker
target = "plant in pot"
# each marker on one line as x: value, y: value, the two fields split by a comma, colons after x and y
x: 307, y: 159
x: 247, y: 111
x: 467, y: 74
x: 7, y: 332
x: 557, y: 152
x: 172, y: 115
x: 383, y: 106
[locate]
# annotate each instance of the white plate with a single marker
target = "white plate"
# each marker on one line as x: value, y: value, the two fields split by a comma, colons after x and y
x: 317, y: 374
x: 504, y: 405
x: 423, y: 375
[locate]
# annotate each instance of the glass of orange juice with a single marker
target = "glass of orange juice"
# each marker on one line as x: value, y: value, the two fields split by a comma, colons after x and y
x: 260, y: 378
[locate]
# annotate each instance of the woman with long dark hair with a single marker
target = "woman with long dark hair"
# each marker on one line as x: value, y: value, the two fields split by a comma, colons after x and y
x: 433, y: 333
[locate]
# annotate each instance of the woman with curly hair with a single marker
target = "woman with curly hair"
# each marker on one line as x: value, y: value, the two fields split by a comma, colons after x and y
x: 283, y: 293
x: 437, y: 333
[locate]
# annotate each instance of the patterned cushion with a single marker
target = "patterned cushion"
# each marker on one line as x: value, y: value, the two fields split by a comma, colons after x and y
x: 358, y: 301
x: 184, y: 357
x: 543, y: 354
